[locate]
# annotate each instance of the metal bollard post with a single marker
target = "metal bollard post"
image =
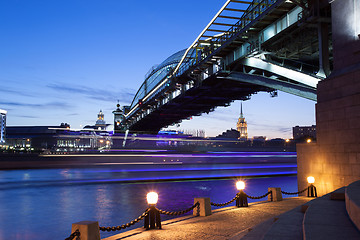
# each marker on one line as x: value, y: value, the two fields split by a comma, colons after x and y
x: 152, y: 220
x: 312, y: 191
x: 241, y: 201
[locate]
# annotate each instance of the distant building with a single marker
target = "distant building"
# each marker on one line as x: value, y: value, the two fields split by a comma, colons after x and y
x: 195, y: 133
x: 302, y: 133
x: 229, y: 134
x: 55, y: 138
x: 100, y: 123
x: 2, y: 126
x: 258, y: 141
x: 36, y: 137
x: 241, y: 126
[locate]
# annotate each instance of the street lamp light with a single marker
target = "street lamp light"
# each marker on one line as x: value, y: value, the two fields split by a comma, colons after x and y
x: 152, y: 219
x: 311, y: 179
x: 240, y: 185
x: 152, y: 198
x: 241, y: 200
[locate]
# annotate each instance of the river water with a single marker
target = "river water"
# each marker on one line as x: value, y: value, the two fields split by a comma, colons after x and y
x: 43, y: 203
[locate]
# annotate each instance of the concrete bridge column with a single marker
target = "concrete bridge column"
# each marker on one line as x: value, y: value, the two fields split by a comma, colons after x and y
x: 334, y: 160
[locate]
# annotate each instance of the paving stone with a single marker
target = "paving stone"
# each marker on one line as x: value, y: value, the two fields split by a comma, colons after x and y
x: 226, y: 223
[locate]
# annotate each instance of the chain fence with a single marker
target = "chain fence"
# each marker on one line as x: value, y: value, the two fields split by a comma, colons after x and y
x: 116, y: 228
x: 294, y: 193
x: 259, y: 196
x: 197, y: 204
x: 146, y: 212
x: 226, y: 203
x: 72, y: 236
x: 76, y: 234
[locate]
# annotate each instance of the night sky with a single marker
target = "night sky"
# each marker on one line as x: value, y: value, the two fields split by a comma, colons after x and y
x: 64, y: 60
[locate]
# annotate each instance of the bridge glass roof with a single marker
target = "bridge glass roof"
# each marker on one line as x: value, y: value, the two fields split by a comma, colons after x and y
x: 158, y: 74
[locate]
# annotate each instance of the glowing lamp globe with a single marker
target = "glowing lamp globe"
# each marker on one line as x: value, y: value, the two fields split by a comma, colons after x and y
x: 152, y: 197
x: 311, y: 180
x: 240, y: 185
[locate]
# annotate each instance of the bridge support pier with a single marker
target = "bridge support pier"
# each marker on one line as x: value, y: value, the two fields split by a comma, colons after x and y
x: 334, y: 160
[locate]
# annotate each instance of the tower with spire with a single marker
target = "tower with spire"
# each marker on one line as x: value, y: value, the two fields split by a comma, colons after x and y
x: 118, y: 119
x: 100, y: 122
x: 241, y: 126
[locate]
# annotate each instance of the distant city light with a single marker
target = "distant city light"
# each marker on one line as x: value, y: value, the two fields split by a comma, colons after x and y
x: 308, y: 141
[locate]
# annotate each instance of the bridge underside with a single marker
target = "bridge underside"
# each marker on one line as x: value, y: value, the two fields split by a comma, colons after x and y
x: 275, y: 84
x: 218, y: 90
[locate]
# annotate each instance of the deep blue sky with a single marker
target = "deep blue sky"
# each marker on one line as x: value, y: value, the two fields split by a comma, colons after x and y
x: 64, y: 60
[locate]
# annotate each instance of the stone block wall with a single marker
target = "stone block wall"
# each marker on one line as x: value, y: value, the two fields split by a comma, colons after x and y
x: 334, y: 160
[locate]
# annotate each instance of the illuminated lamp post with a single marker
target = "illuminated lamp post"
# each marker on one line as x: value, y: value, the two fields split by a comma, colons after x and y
x: 311, y: 189
x: 241, y: 201
x: 152, y: 220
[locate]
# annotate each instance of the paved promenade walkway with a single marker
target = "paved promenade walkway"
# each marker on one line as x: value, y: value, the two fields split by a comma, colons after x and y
x: 226, y: 223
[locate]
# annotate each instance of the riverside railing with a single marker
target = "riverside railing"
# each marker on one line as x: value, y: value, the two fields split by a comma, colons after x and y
x: 152, y: 217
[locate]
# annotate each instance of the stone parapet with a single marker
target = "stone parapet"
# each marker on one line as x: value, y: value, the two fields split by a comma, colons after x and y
x: 352, y: 201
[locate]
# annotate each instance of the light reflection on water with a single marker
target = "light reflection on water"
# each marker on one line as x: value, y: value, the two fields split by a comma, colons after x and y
x: 43, y: 203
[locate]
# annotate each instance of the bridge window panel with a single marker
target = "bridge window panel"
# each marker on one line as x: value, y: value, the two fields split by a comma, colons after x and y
x: 281, y: 24
x: 216, y: 68
x: 269, y: 32
x: 204, y: 75
x: 155, y: 79
x: 161, y: 74
x: 176, y: 93
x: 294, y: 15
x: 278, y: 26
x: 140, y: 94
x: 156, y: 75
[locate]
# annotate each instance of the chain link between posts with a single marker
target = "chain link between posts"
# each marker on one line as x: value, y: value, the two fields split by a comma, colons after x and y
x: 259, y: 196
x: 73, y: 235
x: 116, y: 228
x: 226, y: 203
x: 197, y: 204
x: 294, y: 193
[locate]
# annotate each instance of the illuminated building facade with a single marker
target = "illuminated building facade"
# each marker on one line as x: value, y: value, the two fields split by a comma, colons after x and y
x: 56, y: 139
x: 2, y: 126
x: 100, y: 123
x: 241, y: 126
